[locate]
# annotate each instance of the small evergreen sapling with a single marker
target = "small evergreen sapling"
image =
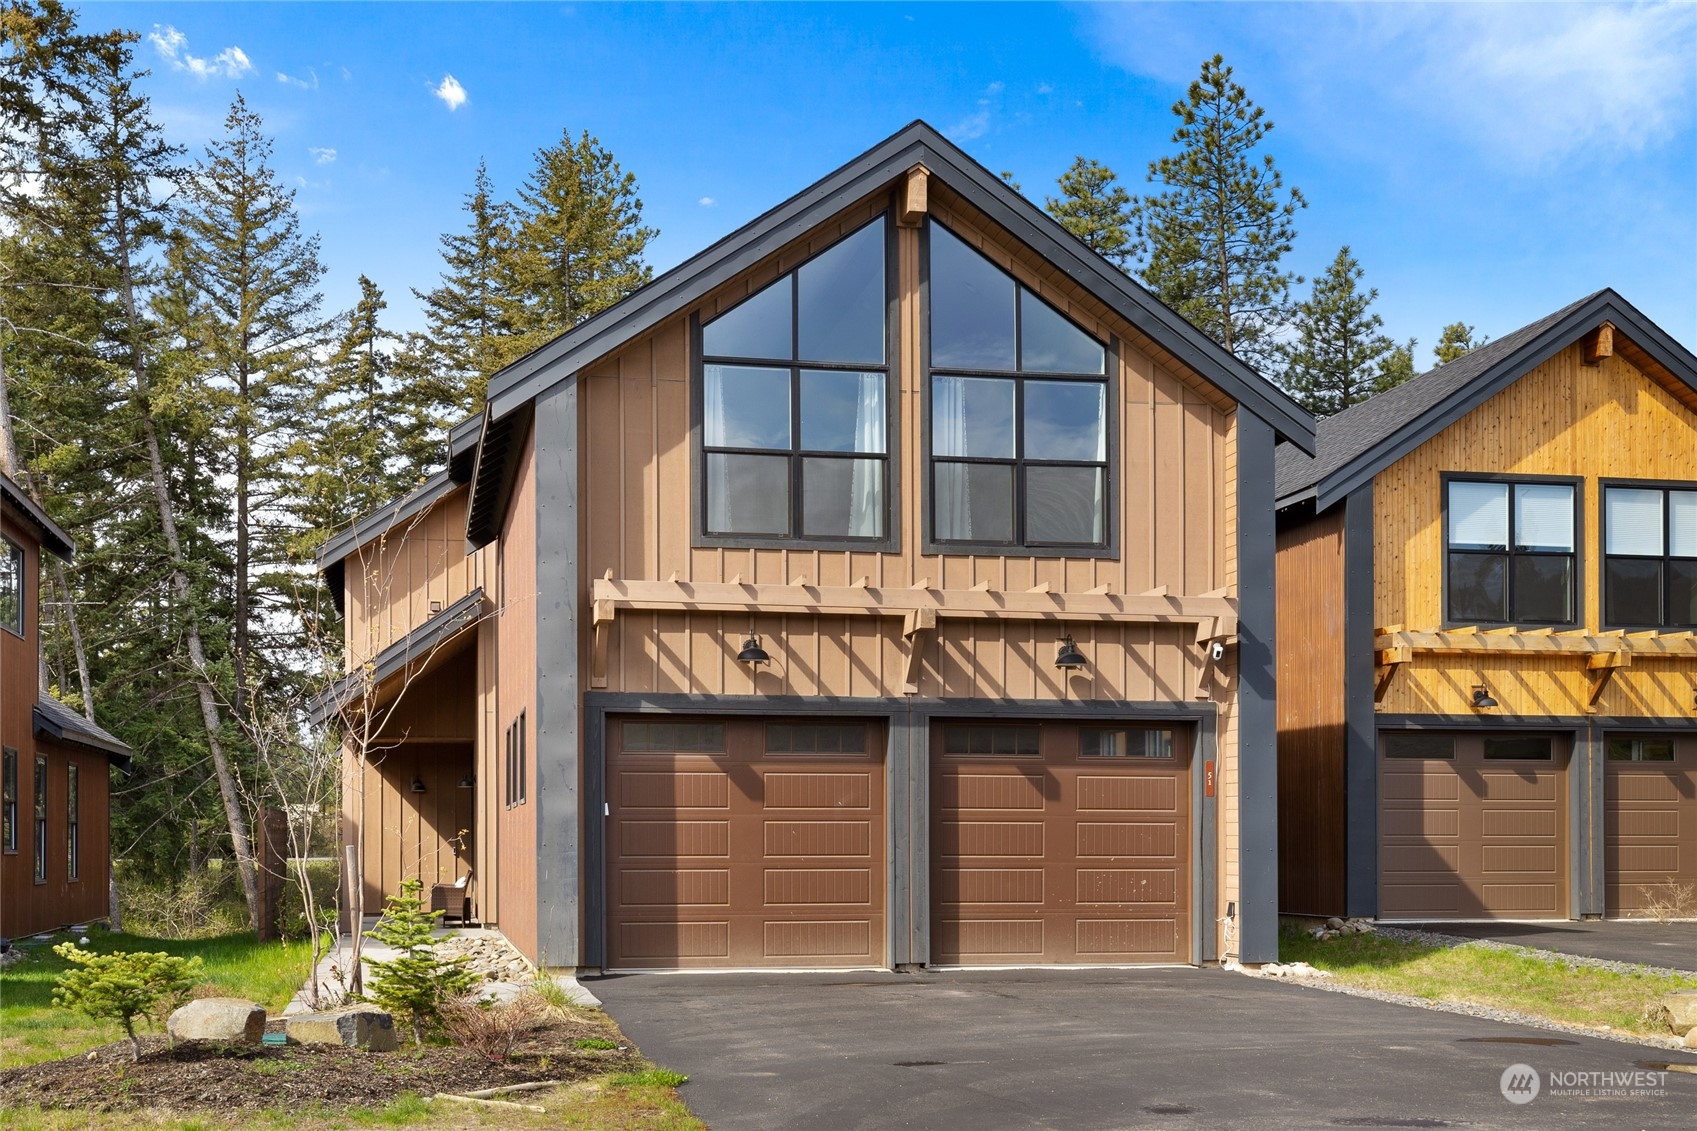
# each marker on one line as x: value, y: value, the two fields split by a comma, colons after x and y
x: 124, y: 985
x: 415, y: 984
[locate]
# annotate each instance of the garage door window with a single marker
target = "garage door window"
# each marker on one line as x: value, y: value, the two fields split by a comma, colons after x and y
x: 1125, y: 742
x: 1519, y: 749
x: 994, y: 741
x: 674, y: 738
x: 1640, y: 749
x: 833, y: 739
x: 1420, y: 746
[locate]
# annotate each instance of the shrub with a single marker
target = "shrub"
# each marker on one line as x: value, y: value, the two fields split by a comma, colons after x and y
x: 201, y: 905
x: 416, y: 984
x: 291, y: 915
x: 489, y: 1028
x: 124, y: 985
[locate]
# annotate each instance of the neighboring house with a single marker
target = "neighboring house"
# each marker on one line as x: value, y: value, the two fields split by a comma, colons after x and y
x: 890, y: 583
x: 1487, y: 594
x: 55, y: 856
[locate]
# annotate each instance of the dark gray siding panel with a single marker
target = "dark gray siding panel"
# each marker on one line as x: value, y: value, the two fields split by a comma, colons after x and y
x: 1257, y: 727
x: 1361, y: 755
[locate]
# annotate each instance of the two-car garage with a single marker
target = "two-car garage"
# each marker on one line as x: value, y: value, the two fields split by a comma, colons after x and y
x: 748, y: 842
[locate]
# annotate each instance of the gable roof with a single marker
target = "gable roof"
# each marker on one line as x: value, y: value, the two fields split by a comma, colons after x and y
x: 916, y: 144
x: 1368, y: 437
x: 53, y: 536
x: 59, y: 722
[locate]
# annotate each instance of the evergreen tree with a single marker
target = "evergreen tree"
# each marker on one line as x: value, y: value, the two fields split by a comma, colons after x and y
x: 1220, y: 225
x: 578, y: 239
x: 1457, y: 340
x: 1398, y: 366
x: 1339, y: 355
x: 416, y: 983
x: 1096, y: 208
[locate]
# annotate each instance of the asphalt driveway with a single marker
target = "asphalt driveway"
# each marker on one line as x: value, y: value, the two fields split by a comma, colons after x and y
x: 1621, y: 940
x: 1104, y: 1049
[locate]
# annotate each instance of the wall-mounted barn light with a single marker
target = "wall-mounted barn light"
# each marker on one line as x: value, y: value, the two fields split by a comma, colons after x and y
x: 418, y: 785
x: 752, y: 653
x: 1482, y: 698
x: 1067, y: 655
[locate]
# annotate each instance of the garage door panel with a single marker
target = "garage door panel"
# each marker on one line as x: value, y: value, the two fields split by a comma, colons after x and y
x: 679, y: 887
x: 815, y: 790
x: 1012, y: 839
x: 667, y: 789
x: 1127, y: 885
x: 1649, y: 823
x: 1110, y: 939
x: 674, y: 838
x: 1530, y: 785
x: 1406, y: 786
x: 1401, y: 859
x: 1522, y: 899
x: 991, y: 792
x: 1518, y: 858
x: 666, y: 941
x: 1517, y: 823
x: 1128, y: 838
x: 1651, y: 785
x: 992, y: 886
x: 818, y: 838
x: 792, y: 886
x: 1434, y: 823
x: 998, y: 938
x: 849, y: 939
x: 1128, y: 794
x: 1416, y: 900
x: 1659, y: 860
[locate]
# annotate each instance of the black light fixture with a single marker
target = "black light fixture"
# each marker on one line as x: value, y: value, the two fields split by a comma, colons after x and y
x: 1067, y: 655
x: 752, y: 653
x: 467, y: 782
x: 418, y: 785
x: 1482, y: 699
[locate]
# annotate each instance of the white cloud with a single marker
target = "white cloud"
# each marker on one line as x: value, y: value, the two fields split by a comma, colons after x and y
x: 308, y: 83
x: 1045, y: 88
x: 977, y: 123
x: 450, y: 91
x: 173, y: 47
x: 707, y: 202
x: 322, y: 155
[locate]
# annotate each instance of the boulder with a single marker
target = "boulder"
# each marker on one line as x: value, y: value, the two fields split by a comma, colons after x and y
x: 358, y: 1027
x: 1691, y: 1039
x: 1334, y: 923
x: 229, y: 1019
x: 1682, y: 1009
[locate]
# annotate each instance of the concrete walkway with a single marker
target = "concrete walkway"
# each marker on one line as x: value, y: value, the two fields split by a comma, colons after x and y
x: 1081, y: 1049
x: 1641, y: 941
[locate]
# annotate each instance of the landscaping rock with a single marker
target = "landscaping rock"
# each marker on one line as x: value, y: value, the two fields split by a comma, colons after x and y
x: 1691, y: 1039
x: 361, y: 1027
x: 490, y: 956
x: 230, y: 1019
x: 1334, y: 923
x: 1682, y: 1008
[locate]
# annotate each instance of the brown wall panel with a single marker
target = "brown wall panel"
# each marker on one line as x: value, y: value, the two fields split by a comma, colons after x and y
x: 394, y: 582
x: 516, y: 683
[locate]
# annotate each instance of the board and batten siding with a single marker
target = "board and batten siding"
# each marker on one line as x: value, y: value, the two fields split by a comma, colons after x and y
x: 1176, y: 490
x: 515, y: 681
x: 1564, y: 418
x: 396, y: 580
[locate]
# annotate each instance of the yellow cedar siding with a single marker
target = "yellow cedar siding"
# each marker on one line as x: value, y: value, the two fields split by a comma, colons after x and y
x: 1566, y: 418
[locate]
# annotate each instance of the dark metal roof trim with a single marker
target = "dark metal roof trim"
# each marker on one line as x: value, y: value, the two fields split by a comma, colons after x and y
x: 918, y: 143
x: 58, y: 722
x: 492, y: 483
x: 438, y: 630
x: 1490, y: 369
x: 385, y: 518
x: 53, y: 536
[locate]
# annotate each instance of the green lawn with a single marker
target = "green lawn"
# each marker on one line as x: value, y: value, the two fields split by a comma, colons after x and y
x: 1577, y: 995
x: 33, y: 1029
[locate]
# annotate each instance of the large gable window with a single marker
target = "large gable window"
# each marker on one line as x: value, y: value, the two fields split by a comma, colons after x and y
x: 1650, y: 556
x: 1510, y: 552
x: 1019, y: 413
x: 795, y: 404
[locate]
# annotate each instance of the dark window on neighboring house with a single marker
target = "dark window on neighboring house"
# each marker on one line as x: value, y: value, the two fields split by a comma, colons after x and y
x: 1650, y: 557
x: 1522, y: 748
x: 1640, y: 750
x: 1019, y: 413
x: 1510, y: 552
x: 516, y: 770
x: 1417, y: 745
x: 73, y: 797
x: 8, y: 800
x: 11, y: 586
x: 990, y: 739
x: 795, y: 403
x: 1125, y: 742
x: 40, y: 784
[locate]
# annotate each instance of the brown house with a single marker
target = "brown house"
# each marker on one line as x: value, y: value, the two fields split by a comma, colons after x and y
x: 55, y: 856
x: 1487, y: 597
x: 891, y: 583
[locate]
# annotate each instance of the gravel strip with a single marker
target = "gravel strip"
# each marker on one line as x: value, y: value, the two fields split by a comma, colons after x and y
x: 1433, y: 938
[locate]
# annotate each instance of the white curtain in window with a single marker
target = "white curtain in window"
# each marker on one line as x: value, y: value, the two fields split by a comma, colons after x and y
x: 1633, y: 520
x: 1682, y: 524
x: 1543, y: 516
x: 866, y: 485
x: 714, y: 426
x: 948, y: 434
x: 1479, y: 514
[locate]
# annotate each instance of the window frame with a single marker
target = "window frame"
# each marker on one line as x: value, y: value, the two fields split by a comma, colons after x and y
x: 73, y: 803
x: 1638, y: 739
x: 9, y: 801
x: 1664, y: 486
x: 1106, y: 550
x: 890, y: 541
x: 1577, y: 554
x: 8, y: 549
x: 38, y: 814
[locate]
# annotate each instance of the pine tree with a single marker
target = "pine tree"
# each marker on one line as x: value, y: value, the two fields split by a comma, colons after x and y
x: 1339, y: 355
x: 578, y: 241
x: 1220, y: 225
x: 415, y: 984
x: 1398, y: 366
x: 1456, y: 341
x: 1096, y: 208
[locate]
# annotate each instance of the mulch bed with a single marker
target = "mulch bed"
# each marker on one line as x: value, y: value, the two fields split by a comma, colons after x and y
x: 204, y: 1076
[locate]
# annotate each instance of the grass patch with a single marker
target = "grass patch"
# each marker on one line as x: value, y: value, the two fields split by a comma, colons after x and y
x: 33, y: 1029
x: 1477, y: 975
x: 595, y: 1043
x: 649, y: 1078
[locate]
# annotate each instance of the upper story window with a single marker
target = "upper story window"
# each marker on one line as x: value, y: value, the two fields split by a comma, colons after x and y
x: 1650, y: 556
x: 1019, y: 412
x: 1510, y: 552
x: 795, y: 403
x: 11, y: 586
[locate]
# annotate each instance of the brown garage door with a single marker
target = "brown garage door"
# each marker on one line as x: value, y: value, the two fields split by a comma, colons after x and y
x: 745, y: 843
x: 1649, y: 820
x: 1473, y: 826
x: 1055, y: 843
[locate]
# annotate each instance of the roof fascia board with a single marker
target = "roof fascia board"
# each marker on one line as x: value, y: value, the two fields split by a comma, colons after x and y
x: 53, y: 536
x: 384, y: 518
x: 436, y: 631
x: 1361, y: 470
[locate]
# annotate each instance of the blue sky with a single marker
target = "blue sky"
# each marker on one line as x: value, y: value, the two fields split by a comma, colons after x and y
x: 1485, y: 162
